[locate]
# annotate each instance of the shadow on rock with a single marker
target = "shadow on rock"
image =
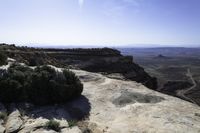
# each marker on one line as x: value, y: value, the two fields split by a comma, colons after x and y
x: 76, y: 109
x: 127, y: 97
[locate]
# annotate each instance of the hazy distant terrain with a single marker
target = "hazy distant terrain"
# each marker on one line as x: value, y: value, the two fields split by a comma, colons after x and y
x: 177, y: 69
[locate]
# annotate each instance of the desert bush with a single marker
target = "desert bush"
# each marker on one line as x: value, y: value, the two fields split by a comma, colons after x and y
x: 41, y: 86
x: 14, y: 82
x: 35, y: 61
x: 53, y: 125
x: 72, y: 123
x: 32, y: 62
x: 3, y: 58
x: 3, y: 116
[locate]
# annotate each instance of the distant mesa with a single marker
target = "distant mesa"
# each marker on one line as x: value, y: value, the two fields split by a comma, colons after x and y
x: 102, y: 60
x: 160, y: 56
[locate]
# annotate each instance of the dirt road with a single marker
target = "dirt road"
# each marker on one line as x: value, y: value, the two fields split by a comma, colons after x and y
x: 182, y: 93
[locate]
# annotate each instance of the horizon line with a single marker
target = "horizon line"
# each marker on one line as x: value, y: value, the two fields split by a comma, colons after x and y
x: 134, y: 45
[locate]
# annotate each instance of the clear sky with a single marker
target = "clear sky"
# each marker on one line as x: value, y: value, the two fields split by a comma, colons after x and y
x: 100, y: 22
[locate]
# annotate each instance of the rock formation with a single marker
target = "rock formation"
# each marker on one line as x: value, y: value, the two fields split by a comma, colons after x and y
x: 103, y: 60
x: 109, y: 106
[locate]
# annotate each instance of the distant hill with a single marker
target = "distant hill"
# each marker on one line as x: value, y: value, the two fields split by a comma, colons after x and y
x: 160, y: 56
x: 168, y: 51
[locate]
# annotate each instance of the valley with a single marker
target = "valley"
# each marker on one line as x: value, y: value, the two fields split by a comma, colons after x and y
x: 177, y: 69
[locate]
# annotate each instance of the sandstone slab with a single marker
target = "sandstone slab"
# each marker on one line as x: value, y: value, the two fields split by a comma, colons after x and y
x: 128, y: 107
x: 71, y: 130
x: 14, y: 122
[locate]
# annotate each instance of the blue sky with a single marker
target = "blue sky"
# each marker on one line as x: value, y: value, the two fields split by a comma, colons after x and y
x: 101, y: 22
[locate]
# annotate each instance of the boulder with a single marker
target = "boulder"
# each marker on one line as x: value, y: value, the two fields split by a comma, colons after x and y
x: 14, y: 122
x: 33, y: 124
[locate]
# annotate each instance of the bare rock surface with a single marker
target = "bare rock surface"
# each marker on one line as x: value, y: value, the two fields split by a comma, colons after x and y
x: 14, y: 122
x: 2, y: 129
x: 71, y: 130
x: 128, y: 107
x: 109, y: 106
x: 44, y: 131
x: 33, y: 124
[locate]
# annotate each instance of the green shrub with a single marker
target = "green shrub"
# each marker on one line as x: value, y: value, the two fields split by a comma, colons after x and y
x: 72, y: 123
x: 3, y: 116
x: 53, y: 125
x: 41, y: 86
x: 32, y: 62
x: 3, y: 58
x: 14, y: 82
x: 35, y: 61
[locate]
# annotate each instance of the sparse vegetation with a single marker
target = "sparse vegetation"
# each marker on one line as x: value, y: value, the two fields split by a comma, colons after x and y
x: 41, y: 86
x: 35, y: 60
x: 3, y: 58
x: 3, y: 116
x: 22, y: 112
x: 72, y: 123
x: 32, y: 62
x: 53, y: 125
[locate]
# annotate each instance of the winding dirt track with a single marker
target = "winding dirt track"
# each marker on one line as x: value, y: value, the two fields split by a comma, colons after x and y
x: 182, y: 93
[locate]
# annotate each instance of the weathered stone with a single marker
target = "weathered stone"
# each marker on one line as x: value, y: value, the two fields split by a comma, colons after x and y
x: 14, y: 122
x: 2, y: 129
x: 150, y: 112
x: 43, y: 131
x: 71, y: 130
x: 63, y: 123
x: 33, y: 124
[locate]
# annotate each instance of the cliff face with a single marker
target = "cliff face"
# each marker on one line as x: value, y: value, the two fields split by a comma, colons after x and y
x: 104, y: 60
x: 121, y: 64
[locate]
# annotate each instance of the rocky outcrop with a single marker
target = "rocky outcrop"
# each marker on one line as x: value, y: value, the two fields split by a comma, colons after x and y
x: 14, y: 122
x: 33, y: 125
x: 111, y: 106
x: 103, y: 60
x: 44, y: 131
x: 71, y: 130
x: 121, y: 64
x: 126, y: 107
